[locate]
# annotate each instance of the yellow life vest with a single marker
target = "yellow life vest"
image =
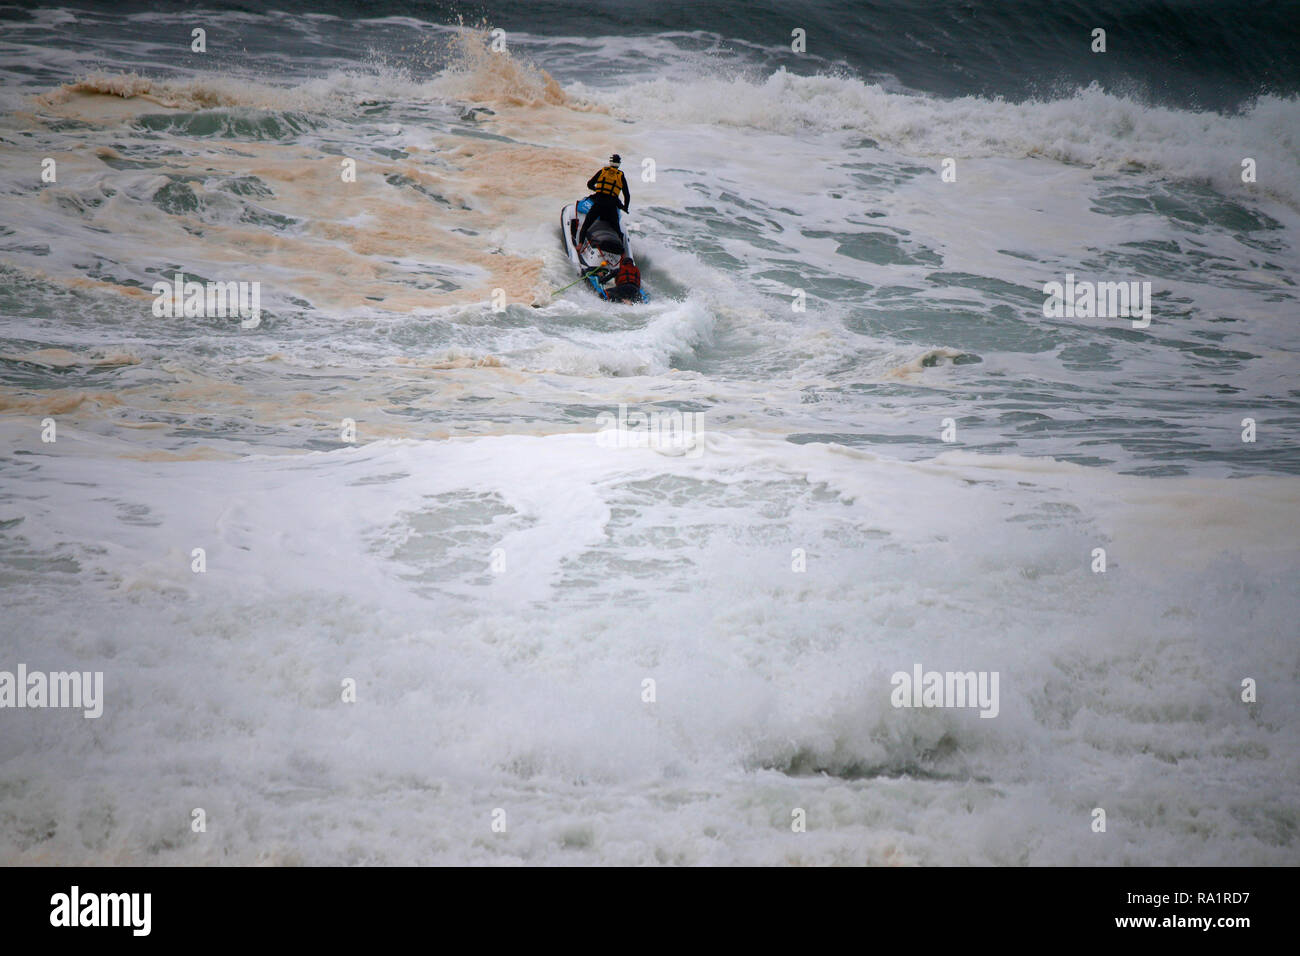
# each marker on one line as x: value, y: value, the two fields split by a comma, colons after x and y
x: 609, y: 181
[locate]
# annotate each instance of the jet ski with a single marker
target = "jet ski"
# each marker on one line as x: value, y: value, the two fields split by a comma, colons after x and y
x: 606, y: 244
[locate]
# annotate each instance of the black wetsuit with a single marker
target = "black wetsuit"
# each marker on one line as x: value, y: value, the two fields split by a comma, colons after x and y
x: 627, y: 283
x: 604, y: 206
x: 624, y: 293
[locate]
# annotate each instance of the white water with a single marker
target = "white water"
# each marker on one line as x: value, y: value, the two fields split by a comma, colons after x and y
x: 522, y: 689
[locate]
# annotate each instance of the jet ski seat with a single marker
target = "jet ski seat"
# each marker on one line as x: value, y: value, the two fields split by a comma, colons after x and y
x: 604, y: 236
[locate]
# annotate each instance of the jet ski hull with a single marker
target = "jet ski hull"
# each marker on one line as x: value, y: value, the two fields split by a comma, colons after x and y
x: 599, y: 258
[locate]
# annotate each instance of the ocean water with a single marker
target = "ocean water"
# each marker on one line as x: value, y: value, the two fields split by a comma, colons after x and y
x: 500, y: 584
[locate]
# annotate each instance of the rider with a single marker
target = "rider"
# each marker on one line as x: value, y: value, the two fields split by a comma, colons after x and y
x: 627, y: 282
x: 606, y: 186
